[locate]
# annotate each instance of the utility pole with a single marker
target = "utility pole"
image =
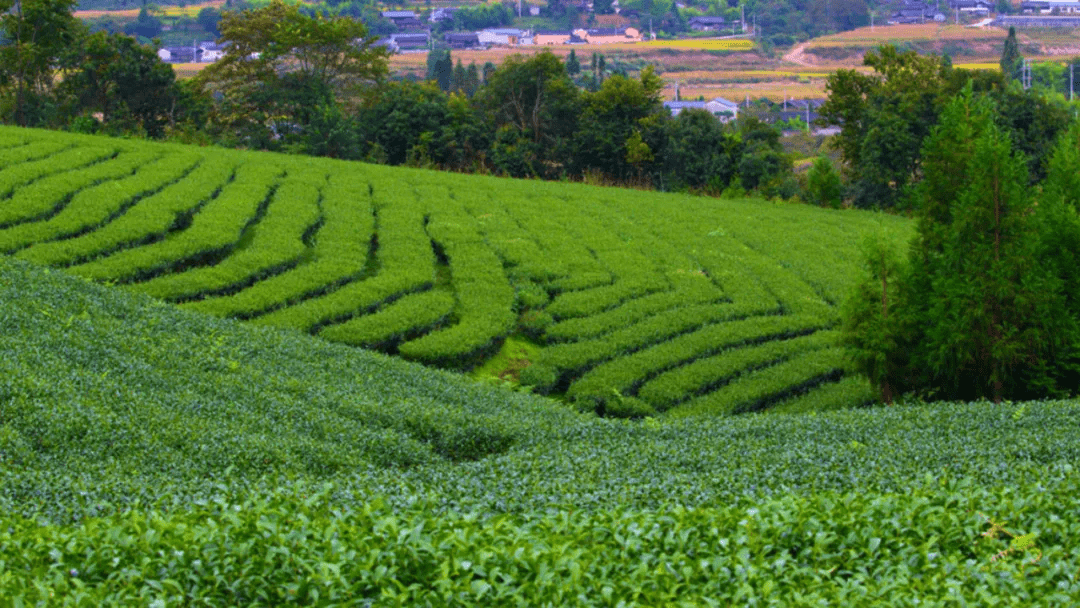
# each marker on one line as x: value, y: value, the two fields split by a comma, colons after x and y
x: 742, y: 18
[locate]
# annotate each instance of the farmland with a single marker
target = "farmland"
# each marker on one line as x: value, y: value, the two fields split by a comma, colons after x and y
x: 153, y: 456
x: 639, y: 303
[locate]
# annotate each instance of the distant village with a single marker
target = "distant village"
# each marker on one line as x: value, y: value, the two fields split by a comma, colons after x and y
x: 414, y: 31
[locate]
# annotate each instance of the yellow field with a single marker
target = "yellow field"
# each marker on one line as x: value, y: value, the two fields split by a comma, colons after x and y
x: 914, y: 32
x: 190, y: 10
x: 776, y: 91
x: 188, y: 70
x: 702, y: 44
x: 749, y: 74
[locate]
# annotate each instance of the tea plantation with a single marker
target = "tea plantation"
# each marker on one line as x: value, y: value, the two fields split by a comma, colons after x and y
x: 640, y: 303
x: 152, y: 455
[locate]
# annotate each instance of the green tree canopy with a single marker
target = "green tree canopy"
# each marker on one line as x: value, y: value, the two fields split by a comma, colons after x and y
x: 35, y: 39
x: 981, y: 309
x: 123, y: 80
x: 282, y: 65
x: 1011, y: 60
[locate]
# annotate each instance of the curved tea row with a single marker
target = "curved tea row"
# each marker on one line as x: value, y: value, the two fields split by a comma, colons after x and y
x: 642, y: 302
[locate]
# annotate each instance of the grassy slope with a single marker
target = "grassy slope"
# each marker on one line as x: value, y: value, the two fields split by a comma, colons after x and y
x: 596, y: 259
x: 224, y: 433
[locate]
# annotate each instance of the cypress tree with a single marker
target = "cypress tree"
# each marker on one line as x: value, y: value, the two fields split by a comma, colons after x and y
x: 988, y: 301
x: 1011, y: 60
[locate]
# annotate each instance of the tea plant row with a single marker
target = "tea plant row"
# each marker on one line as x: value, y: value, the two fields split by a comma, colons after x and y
x: 620, y: 287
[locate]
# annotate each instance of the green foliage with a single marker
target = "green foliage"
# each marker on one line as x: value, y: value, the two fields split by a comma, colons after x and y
x: 615, y: 286
x: 282, y: 66
x: 823, y: 185
x: 148, y: 454
x: 1011, y: 60
x: 37, y: 35
x: 980, y: 310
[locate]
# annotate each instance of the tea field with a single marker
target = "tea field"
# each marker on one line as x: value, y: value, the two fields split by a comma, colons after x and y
x: 640, y: 303
x: 154, y: 456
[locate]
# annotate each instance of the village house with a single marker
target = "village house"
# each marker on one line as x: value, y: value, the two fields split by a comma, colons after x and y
x: 178, y: 54
x: 608, y: 35
x: 545, y: 38
x: 916, y: 12
x: 442, y: 14
x: 463, y: 40
x: 500, y: 36
x: 1050, y: 7
x: 723, y: 109
x: 404, y: 20
x: 705, y: 24
x: 977, y: 7
x: 411, y: 41
x: 210, y: 52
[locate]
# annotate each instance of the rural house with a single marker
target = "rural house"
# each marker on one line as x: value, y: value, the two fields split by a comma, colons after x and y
x: 500, y: 36
x: 549, y: 38
x: 463, y: 40
x: 724, y: 109
x: 608, y: 35
x: 705, y: 24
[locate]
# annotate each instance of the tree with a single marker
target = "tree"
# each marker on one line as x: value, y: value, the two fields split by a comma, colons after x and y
x: 123, y: 80
x: 458, y: 78
x: 700, y: 152
x: 980, y: 309
x: 1011, y: 60
x: 823, y: 185
x: 884, y: 119
x: 621, y: 109
x: 534, y: 108
x: 145, y: 25
x: 870, y: 329
x: 440, y: 68
x: 283, y: 66
x: 36, y: 36
x: 208, y: 18
x: 573, y: 66
x: 762, y: 161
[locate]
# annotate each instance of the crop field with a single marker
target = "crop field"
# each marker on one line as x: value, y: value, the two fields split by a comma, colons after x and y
x: 151, y: 456
x: 641, y: 302
x: 703, y: 44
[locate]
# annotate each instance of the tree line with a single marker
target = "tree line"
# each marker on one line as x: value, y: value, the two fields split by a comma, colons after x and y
x: 984, y: 302
x: 317, y: 84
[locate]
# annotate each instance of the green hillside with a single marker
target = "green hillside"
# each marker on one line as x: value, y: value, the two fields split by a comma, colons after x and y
x: 639, y: 302
x: 150, y: 456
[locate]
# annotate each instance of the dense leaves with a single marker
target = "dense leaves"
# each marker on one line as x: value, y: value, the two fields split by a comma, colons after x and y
x: 150, y: 454
x: 443, y: 268
x: 981, y: 308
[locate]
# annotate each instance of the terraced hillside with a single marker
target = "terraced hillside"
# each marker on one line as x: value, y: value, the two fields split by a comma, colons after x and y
x: 150, y: 456
x: 642, y: 302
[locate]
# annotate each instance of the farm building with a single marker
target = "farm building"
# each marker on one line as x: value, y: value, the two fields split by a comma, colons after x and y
x: 706, y: 24
x: 608, y: 35
x: 1050, y: 7
x: 413, y: 41
x: 442, y: 14
x: 463, y: 40
x: 549, y: 37
x: 978, y: 7
x: 724, y: 109
x: 500, y: 36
